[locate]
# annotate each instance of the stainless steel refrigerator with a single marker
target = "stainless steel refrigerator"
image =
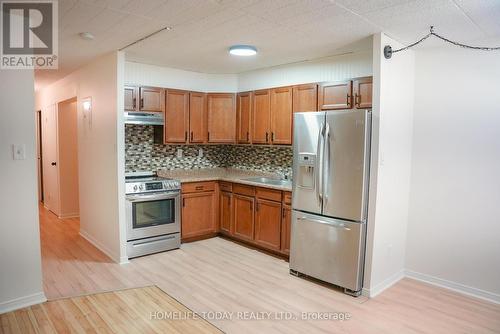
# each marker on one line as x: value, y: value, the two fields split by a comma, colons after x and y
x: 331, y: 154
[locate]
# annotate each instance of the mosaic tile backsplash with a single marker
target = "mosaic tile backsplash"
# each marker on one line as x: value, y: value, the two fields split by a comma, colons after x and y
x: 141, y: 153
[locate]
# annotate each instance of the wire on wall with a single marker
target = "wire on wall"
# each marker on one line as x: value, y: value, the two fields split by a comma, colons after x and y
x: 388, y: 51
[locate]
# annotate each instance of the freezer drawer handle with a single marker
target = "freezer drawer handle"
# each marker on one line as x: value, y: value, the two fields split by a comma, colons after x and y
x: 324, y: 222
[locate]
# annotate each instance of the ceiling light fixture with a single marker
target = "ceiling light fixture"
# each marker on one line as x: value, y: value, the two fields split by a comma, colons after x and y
x: 86, y: 36
x: 243, y: 50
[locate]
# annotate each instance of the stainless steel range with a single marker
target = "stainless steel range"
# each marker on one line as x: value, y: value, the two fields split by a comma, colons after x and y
x: 152, y: 213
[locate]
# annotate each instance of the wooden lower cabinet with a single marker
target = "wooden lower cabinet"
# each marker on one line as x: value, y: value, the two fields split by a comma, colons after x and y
x: 198, y: 214
x: 268, y: 224
x: 243, y: 217
x: 286, y: 224
x: 226, y: 212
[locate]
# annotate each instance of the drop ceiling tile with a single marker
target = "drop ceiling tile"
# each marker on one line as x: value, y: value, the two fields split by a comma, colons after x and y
x: 366, y: 6
x: 485, y: 14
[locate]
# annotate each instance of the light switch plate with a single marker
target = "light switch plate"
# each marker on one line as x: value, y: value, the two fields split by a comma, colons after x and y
x: 200, y: 153
x: 179, y: 153
x: 19, y: 151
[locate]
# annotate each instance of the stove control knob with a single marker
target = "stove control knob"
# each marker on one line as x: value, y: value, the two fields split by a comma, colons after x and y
x: 140, y: 187
x: 135, y: 188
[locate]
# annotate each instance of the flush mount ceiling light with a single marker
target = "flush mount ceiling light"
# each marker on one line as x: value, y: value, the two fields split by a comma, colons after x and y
x: 243, y: 50
x: 86, y: 36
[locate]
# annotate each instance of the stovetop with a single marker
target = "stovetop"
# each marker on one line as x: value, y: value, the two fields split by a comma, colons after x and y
x: 146, y: 182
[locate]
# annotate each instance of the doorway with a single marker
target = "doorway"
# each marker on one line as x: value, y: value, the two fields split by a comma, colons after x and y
x: 60, y: 158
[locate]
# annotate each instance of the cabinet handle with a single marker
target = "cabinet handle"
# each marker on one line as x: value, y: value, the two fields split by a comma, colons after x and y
x: 198, y: 188
x: 357, y: 99
x: 272, y: 136
x: 248, y: 136
x: 183, y: 202
x: 142, y: 102
x: 185, y: 135
x: 283, y: 214
x: 267, y: 137
x: 348, y: 100
x: 208, y: 136
x: 134, y: 102
x: 191, y: 135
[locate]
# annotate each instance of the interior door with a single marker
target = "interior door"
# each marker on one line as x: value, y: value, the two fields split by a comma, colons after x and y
x: 49, y: 159
x: 346, y: 157
x: 307, y: 152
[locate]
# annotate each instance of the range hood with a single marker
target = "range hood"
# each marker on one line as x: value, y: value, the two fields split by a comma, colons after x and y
x: 144, y: 118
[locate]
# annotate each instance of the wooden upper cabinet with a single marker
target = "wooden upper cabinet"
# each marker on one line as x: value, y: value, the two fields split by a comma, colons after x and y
x: 305, y: 98
x: 151, y: 99
x: 198, y: 214
x: 244, y: 116
x: 176, y: 116
x: 221, y: 113
x: 197, y: 117
x: 281, y: 115
x: 362, y: 88
x: 130, y: 95
x: 243, y: 217
x: 268, y: 224
x: 335, y: 95
x: 261, y: 116
x: 226, y: 212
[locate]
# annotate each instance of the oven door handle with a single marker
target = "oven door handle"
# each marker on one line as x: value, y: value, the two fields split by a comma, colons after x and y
x: 137, y: 198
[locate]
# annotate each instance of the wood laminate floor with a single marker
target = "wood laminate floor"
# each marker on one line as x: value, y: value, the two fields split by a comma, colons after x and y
x: 217, y: 275
x: 125, y: 311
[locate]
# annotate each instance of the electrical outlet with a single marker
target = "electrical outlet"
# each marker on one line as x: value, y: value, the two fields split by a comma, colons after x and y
x: 179, y: 153
x: 19, y: 151
x: 200, y: 153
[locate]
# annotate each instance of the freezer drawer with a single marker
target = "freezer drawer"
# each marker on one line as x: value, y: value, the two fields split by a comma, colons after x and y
x: 328, y: 249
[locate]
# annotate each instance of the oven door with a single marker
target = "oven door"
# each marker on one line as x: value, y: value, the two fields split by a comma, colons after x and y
x: 150, y: 215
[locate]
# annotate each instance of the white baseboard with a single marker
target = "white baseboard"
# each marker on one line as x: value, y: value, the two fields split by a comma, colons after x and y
x: 385, y: 284
x: 21, y: 302
x: 101, y: 247
x: 457, y: 287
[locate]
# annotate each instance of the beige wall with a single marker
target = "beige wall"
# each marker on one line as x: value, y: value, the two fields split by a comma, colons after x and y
x: 454, y: 224
x: 390, y: 166
x: 20, y: 264
x: 67, y: 130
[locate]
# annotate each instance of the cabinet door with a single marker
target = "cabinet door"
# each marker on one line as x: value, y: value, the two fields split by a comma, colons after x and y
x: 198, y: 214
x: 176, y: 116
x: 225, y: 207
x: 130, y: 95
x: 151, y: 99
x: 363, y: 93
x: 261, y: 116
x: 286, y: 224
x: 268, y: 224
x: 221, y: 111
x: 335, y: 95
x: 243, y: 217
x: 281, y: 115
x: 305, y: 98
x: 244, y: 107
x: 197, y: 117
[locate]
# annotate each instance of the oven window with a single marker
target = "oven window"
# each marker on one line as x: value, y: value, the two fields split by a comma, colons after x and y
x: 153, y: 213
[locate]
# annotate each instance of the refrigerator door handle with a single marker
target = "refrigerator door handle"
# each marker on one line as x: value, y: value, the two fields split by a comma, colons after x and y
x: 338, y: 225
x: 326, y: 158
x: 319, y: 164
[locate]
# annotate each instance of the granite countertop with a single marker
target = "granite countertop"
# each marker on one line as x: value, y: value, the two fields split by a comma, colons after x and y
x: 222, y: 174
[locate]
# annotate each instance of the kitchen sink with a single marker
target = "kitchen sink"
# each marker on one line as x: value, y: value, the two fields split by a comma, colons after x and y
x: 271, y: 181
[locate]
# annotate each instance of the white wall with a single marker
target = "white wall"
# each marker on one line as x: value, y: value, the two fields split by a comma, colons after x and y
x: 101, y: 167
x: 20, y: 265
x: 454, y: 224
x: 391, y: 166
x: 160, y: 76
x: 358, y: 64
